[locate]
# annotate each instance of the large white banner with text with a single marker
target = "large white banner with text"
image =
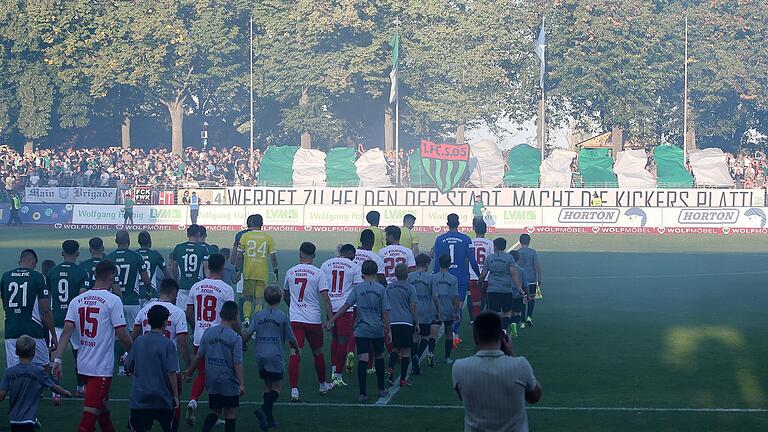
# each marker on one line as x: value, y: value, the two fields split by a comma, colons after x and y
x: 70, y: 195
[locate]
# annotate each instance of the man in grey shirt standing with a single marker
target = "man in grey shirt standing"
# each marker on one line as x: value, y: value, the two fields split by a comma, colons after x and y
x: 493, y: 384
x: 505, y: 288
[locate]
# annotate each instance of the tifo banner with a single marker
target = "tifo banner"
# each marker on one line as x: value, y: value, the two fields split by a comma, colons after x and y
x: 444, y: 163
x: 39, y: 214
x: 70, y: 195
x: 207, y: 196
x: 500, y: 197
x: 142, y: 194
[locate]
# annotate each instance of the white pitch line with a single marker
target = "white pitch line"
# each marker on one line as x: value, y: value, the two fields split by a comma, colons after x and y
x: 660, y: 276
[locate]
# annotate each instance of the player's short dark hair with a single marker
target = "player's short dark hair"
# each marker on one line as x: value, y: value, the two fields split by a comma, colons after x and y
x: 229, y: 311
x: 157, y: 316
x: 25, y: 347
x: 122, y: 237
x: 104, y: 268
x: 272, y: 295
x: 254, y: 221
x: 393, y: 231
x: 193, y: 230
x: 216, y: 263
x: 525, y: 239
x: 500, y: 243
x: 487, y: 328
x: 367, y: 237
x: 70, y: 247
x: 203, y: 231
x: 423, y: 260
x: 347, y: 249
x: 480, y: 226
x: 401, y: 272
x: 453, y: 220
x: 47, y: 265
x: 515, y: 254
x: 409, y: 217
x: 28, y: 253
x: 168, y: 286
x: 145, y: 240
x: 96, y: 243
x: 444, y: 261
x: 373, y: 217
x: 224, y: 252
x: 308, y: 249
x: 370, y: 268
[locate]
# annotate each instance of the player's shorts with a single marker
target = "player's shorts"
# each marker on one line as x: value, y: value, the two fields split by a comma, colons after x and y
x: 402, y: 335
x: 476, y: 291
x: 270, y: 376
x: 532, y: 289
x: 42, y: 355
x: 500, y: 302
x: 131, y: 312
x: 518, y: 305
x: 96, y: 391
x: 369, y: 345
x: 343, y: 327
x: 181, y: 299
x: 141, y: 420
x: 312, y: 332
x: 254, y: 288
x: 217, y: 402
x: 426, y: 329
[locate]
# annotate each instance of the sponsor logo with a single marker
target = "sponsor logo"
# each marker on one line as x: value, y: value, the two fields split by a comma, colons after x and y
x: 531, y: 230
x: 756, y: 215
x: 661, y: 230
x: 708, y: 216
x: 637, y: 215
x: 726, y: 230
x: 587, y: 215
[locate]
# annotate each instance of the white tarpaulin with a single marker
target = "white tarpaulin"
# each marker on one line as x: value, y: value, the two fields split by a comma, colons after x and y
x: 487, y: 164
x: 309, y: 168
x: 710, y: 167
x: 372, y: 169
x: 556, y: 169
x: 630, y: 169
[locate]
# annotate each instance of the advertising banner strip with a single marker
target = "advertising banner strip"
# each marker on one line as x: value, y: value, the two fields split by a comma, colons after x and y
x: 70, y: 195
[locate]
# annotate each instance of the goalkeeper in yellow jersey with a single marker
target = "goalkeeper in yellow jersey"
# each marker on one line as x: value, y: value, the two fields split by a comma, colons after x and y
x: 255, y: 252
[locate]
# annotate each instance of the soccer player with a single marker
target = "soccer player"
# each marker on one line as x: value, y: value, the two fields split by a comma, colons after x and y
x: 250, y: 224
x: 154, y: 264
x: 482, y: 247
x: 305, y: 289
x: 23, y: 383
x: 97, y: 317
x: 191, y: 262
x: 212, y: 248
x: 374, y: 219
x: 272, y: 331
x: 458, y: 247
x: 206, y: 298
x: 47, y: 266
x: 341, y: 273
x: 66, y: 281
x: 221, y: 351
x: 394, y: 254
x: 529, y: 261
x: 27, y: 310
x: 153, y: 360
x: 504, y: 283
x: 96, y: 249
x: 427, y: 308
x: 404, y: 319
x: 252, y: 251
x: 408, y: 238
x: 365, y: 252
x: 371, y: 325
x: 449, y: 307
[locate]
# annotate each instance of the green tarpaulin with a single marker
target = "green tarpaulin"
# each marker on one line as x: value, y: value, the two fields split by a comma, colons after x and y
x: 670, y: 171
x: 524, y: 166
x: 340, y: 167
x: 276, y: 168
x: 596, y: 168
x: 419, y: 175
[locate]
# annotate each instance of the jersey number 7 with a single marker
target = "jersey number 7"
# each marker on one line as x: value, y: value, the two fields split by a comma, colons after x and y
x: 303, y: 283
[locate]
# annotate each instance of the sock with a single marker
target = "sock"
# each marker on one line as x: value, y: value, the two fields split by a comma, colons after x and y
x: 531, y: 304
x: 370, y: 363
x: 392, y: 360
x: 432, y: 343
x: 341, y: 357
x: 457, y: 324
x: 380, y: 372
x: 334, y: 356
x: 351, y: 344
x: 320, y: 368
x: 422, y: 347
x: 448, y: 348
x: 87, y: 422
x: 468, y: 302
x: 293, y: 371
x: 362, y: 374
x: 404, y: 363
x: 476, y: 309
x: 505, y: 321
x: 269, y: 401
x: 210, y: 422
x: 229, y: 425
x: 198, y: 386
x: 105, y: 422
x: 247, y: 308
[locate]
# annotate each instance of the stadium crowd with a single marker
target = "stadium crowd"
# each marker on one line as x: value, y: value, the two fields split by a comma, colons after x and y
x: 748, y: 170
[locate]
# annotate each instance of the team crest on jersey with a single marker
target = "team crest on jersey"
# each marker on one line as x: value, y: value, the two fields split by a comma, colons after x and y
x: 444, y: 163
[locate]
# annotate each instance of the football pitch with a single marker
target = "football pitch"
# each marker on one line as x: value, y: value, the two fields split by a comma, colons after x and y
x: 635, y: 333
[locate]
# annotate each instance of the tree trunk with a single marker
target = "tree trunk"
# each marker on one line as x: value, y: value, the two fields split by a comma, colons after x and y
x: 690, y: 139
x: 29, y: 146
x: 125, y: 132
x: 176, y: 110
x: 617, y: 140
x: 460, y: 134
x: 306, y: 138
x: 389, y: 127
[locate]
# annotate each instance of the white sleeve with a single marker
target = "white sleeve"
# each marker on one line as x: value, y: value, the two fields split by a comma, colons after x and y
x: 181, y: 325
x: 322, y: 283
x: 230, y: 295
x: 116, y: 314
x: 191, y: 297
x: 410, y: 260
x: 71, y: 313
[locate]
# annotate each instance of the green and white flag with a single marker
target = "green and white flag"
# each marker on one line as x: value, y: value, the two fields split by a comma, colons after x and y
x: 393, y: 75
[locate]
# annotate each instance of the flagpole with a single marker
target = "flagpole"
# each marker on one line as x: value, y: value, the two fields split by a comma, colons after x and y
x: 397, y: 119
x: 685, y: 100
x: 542, y: 132
x: 250, y: 148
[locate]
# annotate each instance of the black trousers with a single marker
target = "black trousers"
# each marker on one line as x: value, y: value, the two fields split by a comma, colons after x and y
x: 193, y: 216
x: 142, y: 419
x: 14, y: 219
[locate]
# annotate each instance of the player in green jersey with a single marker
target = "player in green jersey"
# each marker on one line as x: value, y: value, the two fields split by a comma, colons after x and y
x: 191, y: 263
x: 96, y: 248
x: 212, y: 248
x: 27, y: 310
x: 154, y: 264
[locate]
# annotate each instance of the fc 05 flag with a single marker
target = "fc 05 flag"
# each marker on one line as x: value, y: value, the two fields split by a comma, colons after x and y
x: 444, y: 163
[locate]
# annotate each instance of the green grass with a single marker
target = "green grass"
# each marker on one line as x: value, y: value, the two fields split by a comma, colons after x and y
x: 627, y: 322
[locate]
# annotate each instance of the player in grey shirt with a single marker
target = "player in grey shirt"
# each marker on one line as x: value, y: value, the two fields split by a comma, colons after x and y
x: 371, y: 324
x: 403, y: 316
x: 447, y: 288
x: 505, y: 289
x: 153, y: 360
x: 529, y: 261
x: 222, y: 350
x: 426, y: 306
x: 271, y: 329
